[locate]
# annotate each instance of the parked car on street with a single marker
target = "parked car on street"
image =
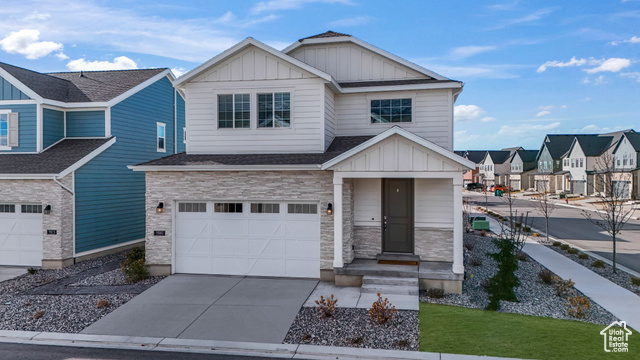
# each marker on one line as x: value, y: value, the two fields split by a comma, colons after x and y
x: 475, y: 186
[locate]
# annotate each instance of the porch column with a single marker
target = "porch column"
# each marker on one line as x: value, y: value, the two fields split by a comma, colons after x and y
x: 337, y: 222
x: 458, y: 265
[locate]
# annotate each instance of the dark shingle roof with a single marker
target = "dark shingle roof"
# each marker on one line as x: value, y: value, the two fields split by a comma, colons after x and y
x: 86, y: 86
x: 558, y: 145
x: 499, y: 156
x: 52, y: 161
x: 594, y: 145
x: 339, y: 145
x: 634, y: 140
x: 528, y: 155
x: 476, y: 155
x: 394, y: 82
x: 327, y: 34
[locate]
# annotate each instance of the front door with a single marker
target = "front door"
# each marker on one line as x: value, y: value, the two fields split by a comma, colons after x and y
x: 397, y: 215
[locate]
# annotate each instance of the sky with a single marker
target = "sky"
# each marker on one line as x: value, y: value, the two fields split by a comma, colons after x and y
x: 530, y: 68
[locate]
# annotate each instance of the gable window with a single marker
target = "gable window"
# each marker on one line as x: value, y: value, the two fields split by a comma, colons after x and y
x: 581, y: 162
x: 4, y: 129
x: 274, y: 110
x: 390, y: 111
x: 162, y: 137
x: 234, y: 111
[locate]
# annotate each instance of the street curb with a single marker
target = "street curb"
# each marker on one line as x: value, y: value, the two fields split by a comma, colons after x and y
x: 236, y: 348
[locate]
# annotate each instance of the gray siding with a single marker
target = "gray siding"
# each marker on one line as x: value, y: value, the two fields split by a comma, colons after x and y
x: 329, y: 117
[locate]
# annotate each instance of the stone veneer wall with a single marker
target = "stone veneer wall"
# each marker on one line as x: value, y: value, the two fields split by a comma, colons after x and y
x: 434, y: 244
x: 233, y: 185
x: 348, y: 221
x: 47, y: 192
x: 368, y: 241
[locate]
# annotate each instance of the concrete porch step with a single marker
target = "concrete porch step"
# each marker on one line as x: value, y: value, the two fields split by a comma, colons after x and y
x: 398, y: 259
x: 387, y: 280
x: 389, y: 289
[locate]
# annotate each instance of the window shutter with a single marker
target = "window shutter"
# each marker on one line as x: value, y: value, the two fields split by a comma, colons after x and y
x: 13, y: 129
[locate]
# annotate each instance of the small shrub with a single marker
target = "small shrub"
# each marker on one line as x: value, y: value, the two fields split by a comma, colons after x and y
x: 39, y: 314
x: 517, y: 224
x: 32, y: 271
x: 562, y: 287
x: 327, y: 307
x: 382, y: 311
x: 475, y: 261
x: 535, y: 234
x: 483, y: 233
x: 306, y: 337
x: 522, y: 256
x: 526, y: 229
x: 556, y: 243
x: 402, y: 344
x: 485, y: 284
x: 578, y: 306
x: 573, y: 251
x: 546, y: 276
x: 598, y: 264
x: 635, y: 280
x: 583, y: 256
x: 102, y: 303
x: 27, y: 304
x: 356, y: 340
x: 468, y: 246
x: 435, y: 293
x: 133, y: 265
x: 565, y: 247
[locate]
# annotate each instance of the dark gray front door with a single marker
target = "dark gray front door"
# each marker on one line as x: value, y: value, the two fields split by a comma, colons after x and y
x: 397, y: 215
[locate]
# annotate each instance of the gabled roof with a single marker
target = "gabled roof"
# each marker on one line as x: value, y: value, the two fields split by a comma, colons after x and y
x: 81, y: 86
x: 52, y: 161
x: 593, y: 145
x: 527, y: 155
x: 476, y: 156
x: 557, y: 145
x: 327, y: 34
x: 499, y: 156
x: 634, y: 140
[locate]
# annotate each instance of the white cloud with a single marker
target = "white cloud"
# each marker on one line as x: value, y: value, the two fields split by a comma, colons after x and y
x: 534, y: 16
x: 487, y: 119
x: 612, y: 65
x: 526, y: 129
x: 178, y: 71
x: 25, y: 42
x: 632, y: 40
x: 479, y: 71
x: 119, y: 63
x: 467, y: 51
x: 632, y: 75
x: 563, y: 106
x: 547, y: 107
x: 597, y: 81
x: 555, y: 63
x: 591, y: 129
x: 273, y: 5
x: 353, y: 21
x: 61, y: 56
x: 543, y: 113
x: 463, y: 139
x: 467, y: 112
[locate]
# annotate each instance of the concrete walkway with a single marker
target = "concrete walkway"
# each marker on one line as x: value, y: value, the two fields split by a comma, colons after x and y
x: 353, y: 297
x: 10, y: 272
x: 621, y: 302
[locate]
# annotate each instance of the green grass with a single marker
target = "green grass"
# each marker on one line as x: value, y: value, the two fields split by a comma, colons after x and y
x: 457, y: 330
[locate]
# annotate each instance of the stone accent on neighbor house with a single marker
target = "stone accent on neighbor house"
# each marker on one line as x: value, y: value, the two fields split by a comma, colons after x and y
x: 233, y: 185
x: 348, y: 215
x: 434, y: 244
x: 368, y: 241
x: 56, y: 248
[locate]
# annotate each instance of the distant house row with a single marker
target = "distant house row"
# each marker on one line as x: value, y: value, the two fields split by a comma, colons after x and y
x: 564, y: 163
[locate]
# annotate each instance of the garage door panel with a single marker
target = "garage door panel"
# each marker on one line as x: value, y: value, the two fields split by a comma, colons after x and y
x: 225, y: 226
x: 265, y: 267
x: 260, y: 227
x: 266, y: 247
x: 228, y: 265
x: 20, y: 238
x: 305, y: 228
x: 302, y: 249
x: 228, y: 246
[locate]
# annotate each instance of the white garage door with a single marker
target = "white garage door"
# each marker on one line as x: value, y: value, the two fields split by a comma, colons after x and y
x: 248, y: 238
x: 20, y: 234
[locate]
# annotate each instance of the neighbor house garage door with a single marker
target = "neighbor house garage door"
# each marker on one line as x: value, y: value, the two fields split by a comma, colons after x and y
x: 248, y: 238
x: 621, y: 189
x: 20, y: 234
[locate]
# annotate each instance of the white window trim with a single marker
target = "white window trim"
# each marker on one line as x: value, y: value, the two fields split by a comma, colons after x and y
x: 3, y: 112
x: 233, y: 122
x: 164, y: 150
x: 391, y: 97
x: 273, y: 111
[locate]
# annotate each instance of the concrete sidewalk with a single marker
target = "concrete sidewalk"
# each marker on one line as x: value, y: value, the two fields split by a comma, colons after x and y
x: 621, y: 302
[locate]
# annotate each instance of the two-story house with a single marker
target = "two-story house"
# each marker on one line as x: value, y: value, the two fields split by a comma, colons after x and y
x: 308, y: 162
x: 549, y: 175
x: 65, y: 142
x: 475, y: 156
x: 494, y: 166
x: 580, y: 162
x: 522, y: 165
x: 626, y: 155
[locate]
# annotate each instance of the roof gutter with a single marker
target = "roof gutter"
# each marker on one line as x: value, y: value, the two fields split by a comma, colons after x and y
x: 55, y: 180
x: 223, y: 167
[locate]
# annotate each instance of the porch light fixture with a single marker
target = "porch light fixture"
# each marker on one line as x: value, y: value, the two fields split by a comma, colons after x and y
x: 160, y: 208
x: 47, y: 209
x: 330, y: 209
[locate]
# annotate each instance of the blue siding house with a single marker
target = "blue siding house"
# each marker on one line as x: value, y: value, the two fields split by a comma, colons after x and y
x: 65, y: 190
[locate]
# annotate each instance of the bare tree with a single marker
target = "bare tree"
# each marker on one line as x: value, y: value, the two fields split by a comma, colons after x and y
x: 544, y: 204
x: 486, y: 194
x: 612, y: 215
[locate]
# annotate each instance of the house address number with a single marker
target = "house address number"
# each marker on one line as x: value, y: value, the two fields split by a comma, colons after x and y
x: 158, y: 233
x: 52, y: 232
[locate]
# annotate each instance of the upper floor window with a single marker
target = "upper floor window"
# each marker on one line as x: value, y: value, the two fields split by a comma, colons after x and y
x: 4, y: 130
x: 390, y: 111
x: 581, y: 162
x: 624, y: 160
x: 162, y: 137
x: 234, y: 111
x: 274, y: 110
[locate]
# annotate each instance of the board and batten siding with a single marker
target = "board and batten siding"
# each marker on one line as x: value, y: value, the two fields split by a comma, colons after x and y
x: 329, y: 116
x: 181, y: 124
x: 53, y: 127
x: 10, y: 92
x: 27, y: 127
x: 433, y: 203
x: 432, y: 112
x: 110, y: 198
x: 85, y: 123
x: 351, y: 62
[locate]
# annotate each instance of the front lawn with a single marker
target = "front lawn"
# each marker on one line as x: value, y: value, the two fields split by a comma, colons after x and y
x: 458, y: 330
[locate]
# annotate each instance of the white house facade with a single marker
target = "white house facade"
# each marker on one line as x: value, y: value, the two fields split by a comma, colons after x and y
x: 299, y: 162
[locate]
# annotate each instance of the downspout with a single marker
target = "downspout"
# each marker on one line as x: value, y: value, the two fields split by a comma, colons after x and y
x: 175, y: 121
x: 55, y: 180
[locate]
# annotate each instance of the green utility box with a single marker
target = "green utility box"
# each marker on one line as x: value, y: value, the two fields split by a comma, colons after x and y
x: 474, y: 218
x: 563, y: 196
x: 498, y: 193
x: 480, y: 225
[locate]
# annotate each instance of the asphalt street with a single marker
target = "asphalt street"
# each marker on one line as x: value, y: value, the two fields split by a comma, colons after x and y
x: 570, y: 225
x: 10, y: 351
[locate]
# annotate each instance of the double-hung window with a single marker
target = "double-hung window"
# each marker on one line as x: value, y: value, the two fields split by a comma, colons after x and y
x: 234, y: 111
x: 4, y: 129
x: 390, y: 111
x: 274, y: 110
x: 162, y: 137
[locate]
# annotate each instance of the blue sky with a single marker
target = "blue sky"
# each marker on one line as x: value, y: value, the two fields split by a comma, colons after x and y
x: 529, y: 67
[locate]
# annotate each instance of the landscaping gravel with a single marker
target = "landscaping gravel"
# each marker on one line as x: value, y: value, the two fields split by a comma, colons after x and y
x: 354, y: 328
x: 114, y: 278
x: 620, y: 277
x: 535, y: 297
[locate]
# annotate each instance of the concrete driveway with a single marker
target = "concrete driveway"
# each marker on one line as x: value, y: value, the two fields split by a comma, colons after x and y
x: 209, y: 307
x: 10, y: 272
